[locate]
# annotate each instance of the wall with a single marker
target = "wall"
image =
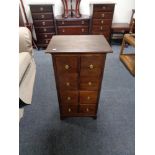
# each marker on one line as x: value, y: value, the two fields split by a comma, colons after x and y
x: 123, y: 8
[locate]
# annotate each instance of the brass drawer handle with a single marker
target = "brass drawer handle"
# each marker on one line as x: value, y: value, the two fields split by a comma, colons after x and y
x: 66, y: 66
x: 45, y: 29
x: 91, y: 66
x: 42, y: 16
x: 87, y: 109
x: 102, y: 15
x: 63, y: 30
x: 82, y: 22
x: 102, y: 21
x: 88, y: 97
x: 69, y: 110
x: 103, y: 8
x: 89, y: 83
x: 45, y: 35
x: 101, y: 28
x: 68, y: 98
x: 82, y: 30
x: 41, y: 9
x: 67, y: 84
x: 63, y: 22
x: 43, y: 23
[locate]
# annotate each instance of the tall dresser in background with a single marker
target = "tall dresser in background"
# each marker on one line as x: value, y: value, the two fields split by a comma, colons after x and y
x: 101, y: 19
x: 44, y: 23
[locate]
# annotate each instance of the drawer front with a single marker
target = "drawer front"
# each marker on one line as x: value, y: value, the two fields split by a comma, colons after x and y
x: 92, y: 65
x: 103, y: 15
x: 101, y: 22
x: 69, y: 109
x: 105, y: 7
x: 39, y: 23
x: 69, y: 97
x: 43, y: 41
x: 88, y: 109
x: 73, y: 30
x: 89, y: 82
x: 96, y: 28
x: 44, y: 36
x: 44, y: 29
x: 105, y: 33
x: 42, y: 16
x: 88, y: 97
x: 41, y: 8
x: 69, y: 23
x: 68, y: 82
x: 66, y: 64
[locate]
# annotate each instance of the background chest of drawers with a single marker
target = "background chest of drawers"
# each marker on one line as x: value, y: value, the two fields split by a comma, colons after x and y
x: 44, y: 24
x: 78, y: 74
x: 101, y: 21
x: 72, y: 26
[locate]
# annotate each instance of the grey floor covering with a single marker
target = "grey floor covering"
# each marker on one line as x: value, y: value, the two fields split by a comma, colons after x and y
x: 112, y: 133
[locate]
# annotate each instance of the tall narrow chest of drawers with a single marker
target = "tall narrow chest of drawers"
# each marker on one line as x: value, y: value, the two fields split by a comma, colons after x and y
x: 102, y: 15
x: 44, y: 24
x: 78, y: 62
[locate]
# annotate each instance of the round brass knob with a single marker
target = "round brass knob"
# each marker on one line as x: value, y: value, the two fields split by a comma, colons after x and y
x: 66, y: 66
x: 102, y: 21
x: 63, y: 23
x: 102, y: 15
x: 82, y: 22
x: 45, y: 35
x: 43, y: 23
x: 69, y: 110
x: 41, y: 9
x: 91, y: 66
x: 87, y: 109
x: 88, y: 97
x: 42, y: 16
x: 101, y: 28
x: 68, y: 98
x: 63, y: 30
x: 89, y: 83
x: 82, y: 30
x: 103, y: 7
x: 67, y: 84
x: 45, y: 30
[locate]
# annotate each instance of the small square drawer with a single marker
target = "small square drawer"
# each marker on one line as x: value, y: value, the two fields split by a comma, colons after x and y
x: 68, y: 82
x: 42, y: 16
x: 105, y: 7
x: 101, y: 22
x: 38, y: 23
x: 69, y: 109
x: 88, y: 108
x: 41, y: 8
x: 44, y: 29
x: 88, y: 97
x: 69, y: 97
x: 92, y: 65
x: 66, y: 64
x: 103, y: 15
x: 89, y: 82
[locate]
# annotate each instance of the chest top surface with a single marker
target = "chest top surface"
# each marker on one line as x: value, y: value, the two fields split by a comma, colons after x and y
x: 78, y: 44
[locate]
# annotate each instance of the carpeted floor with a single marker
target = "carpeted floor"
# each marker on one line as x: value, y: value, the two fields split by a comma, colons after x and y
x: 112, y: 133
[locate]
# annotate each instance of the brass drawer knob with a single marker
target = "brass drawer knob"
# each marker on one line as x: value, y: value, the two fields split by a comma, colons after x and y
x: 82, y: 22
x: 42, y: 16
x: 91, y: 66
x: 41, y: 9
x: 102, y: 21
x: 82, y: 30
x: 63, y: 22
x: 43, y: 23
x: 45, y: 29
x: 66, y: 66
x: 63, y: 30
x: 101, y: 28
x: 68, y: 98
x: 87, y: 109
x: 89, y: 83
x: 103, y: 8
x: 45, y: 35
x: 69, y: 110
x: 67, y: 84
x: 102, y: 15
x: 88, y: 97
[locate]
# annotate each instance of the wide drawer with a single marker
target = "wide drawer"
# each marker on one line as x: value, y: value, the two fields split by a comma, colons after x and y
x: 76, y: 22
x: 103, y: 15
x: 44, y: 35
x: 88, y: 97
x: 42, y: 16
x: 101, y: 22
x: 44, y: 29
x: 91, y: 65
x: 69, y: 97
x: 90, y: 83
x: 104, y: 7
x: 87, y: 108
x: 41, y: 8
x: 69, y: 109
x: 73, y: 30
x: 68, y: 81
x: 101, y: 28
x: 38, y: 23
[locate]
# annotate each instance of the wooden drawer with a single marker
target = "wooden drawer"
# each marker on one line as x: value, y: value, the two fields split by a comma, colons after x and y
x: 87, y: 108
x: 44, y: 29
x: 68, y: 82
x: 73, y: 30
x: 43, y: 41
x: 101, y: 28
x: 69, y: 23
x: 41, y: 8
x: 88, y: 97
x: 42, y: 16
x: 103, y: 15
x: 39, y: 23
x: 69, y: 97
x: 44, y: 35
x: 105, y: 7
x: 101, y: 22
x: 89, y: 82
x: 105, y: 33
x: 66, y: 64
x: 69, y: 109
x: 92, y: 65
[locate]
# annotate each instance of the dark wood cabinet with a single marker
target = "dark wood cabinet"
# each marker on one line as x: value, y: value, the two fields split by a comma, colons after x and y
x: 73, y: 26
x: 78, y: 62
x: 101, y: 21
x: 44, y: 24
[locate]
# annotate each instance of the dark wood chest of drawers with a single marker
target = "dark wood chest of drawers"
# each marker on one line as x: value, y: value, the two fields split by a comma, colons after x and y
x: 102, y: 15
x: 72, y: 26
x: 78, y: 62
x: 44, y: 24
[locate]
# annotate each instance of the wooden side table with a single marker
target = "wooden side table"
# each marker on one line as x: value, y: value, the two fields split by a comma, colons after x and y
x: 78, y: 62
